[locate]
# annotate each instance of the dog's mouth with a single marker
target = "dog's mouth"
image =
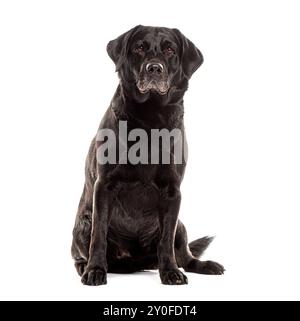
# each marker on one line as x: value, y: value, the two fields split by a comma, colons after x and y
x: 159, y: 86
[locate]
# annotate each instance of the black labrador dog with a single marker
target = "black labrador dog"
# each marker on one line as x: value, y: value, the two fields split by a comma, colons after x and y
x: 127, y: 217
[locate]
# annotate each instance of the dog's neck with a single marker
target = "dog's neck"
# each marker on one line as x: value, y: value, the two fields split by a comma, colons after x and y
x: 154, y: 112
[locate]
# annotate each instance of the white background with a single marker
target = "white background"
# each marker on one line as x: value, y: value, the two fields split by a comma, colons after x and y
x: 242, y: 117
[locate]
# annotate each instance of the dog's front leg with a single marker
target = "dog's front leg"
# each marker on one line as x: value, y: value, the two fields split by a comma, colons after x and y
x: 96, y: 269
x: 168, y: 216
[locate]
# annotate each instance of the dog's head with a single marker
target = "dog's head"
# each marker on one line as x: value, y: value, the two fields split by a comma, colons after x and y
x: 151, y: 60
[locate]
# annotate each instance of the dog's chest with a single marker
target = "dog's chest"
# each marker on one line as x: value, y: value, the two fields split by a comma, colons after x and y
x: 138, y: 199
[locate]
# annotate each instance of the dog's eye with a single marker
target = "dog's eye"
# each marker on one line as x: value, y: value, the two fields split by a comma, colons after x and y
x: 139, y: 49
x: 169, y: 51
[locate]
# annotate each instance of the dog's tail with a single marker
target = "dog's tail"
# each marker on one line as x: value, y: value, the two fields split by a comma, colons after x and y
x: 198, y: 246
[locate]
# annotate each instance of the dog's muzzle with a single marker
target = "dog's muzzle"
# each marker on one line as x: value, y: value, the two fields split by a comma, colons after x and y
x: 153, y: 77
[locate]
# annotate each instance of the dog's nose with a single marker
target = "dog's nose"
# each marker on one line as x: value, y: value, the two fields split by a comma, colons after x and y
x: 154, y: 68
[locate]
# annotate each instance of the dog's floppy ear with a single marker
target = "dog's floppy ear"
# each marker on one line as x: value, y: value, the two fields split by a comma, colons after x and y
x: 117, y: 48
x: 191, y: 56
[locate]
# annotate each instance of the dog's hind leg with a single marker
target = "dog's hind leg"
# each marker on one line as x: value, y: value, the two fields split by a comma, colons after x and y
x: 83, y: 223
x: 187, y: 254
x: 82, y: 234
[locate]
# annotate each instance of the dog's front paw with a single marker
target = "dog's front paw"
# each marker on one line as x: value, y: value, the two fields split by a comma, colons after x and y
x: 94, y: 276
x: 172, y: 277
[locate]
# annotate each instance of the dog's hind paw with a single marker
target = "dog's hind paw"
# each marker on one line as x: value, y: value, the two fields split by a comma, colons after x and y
x: 211, y: 267
x: 205, y: 267
x: 80, y: 267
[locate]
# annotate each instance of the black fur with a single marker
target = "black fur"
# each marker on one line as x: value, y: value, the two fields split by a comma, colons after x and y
x: 127, y: 218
